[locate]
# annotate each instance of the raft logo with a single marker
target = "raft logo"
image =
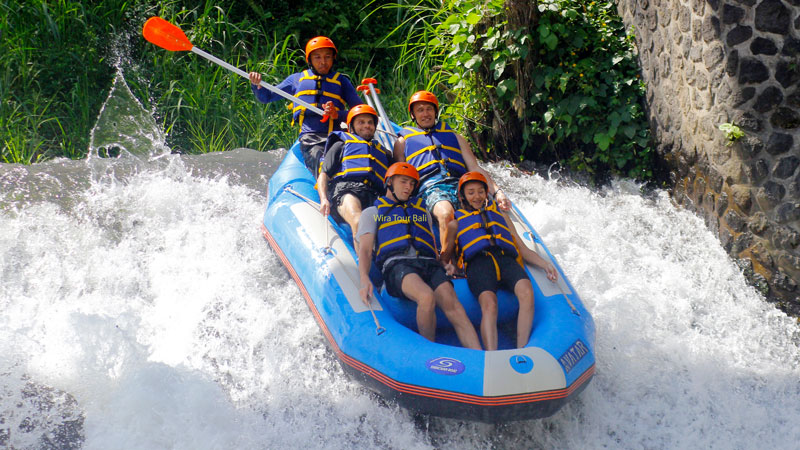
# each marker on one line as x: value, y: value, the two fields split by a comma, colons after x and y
x: 445, y: 366
x: 521, y: 363
x: 573, y: 354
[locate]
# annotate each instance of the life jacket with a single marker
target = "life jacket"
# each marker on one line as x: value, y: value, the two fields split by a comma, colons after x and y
x: 317, y: 90
x: 434, y: 151
x: 401, y: 225
x: 482, y: 229
x: 361, y: 160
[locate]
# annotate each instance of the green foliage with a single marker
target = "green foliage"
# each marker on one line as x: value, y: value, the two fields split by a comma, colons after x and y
x: 51, y: 61
x: 58, y: 59
x: 732, y: 132
x: 570, y: 79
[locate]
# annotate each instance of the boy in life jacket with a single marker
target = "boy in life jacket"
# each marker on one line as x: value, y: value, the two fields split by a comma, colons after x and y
x: 321, y: 86
x: 441, y: 156
x: 397, y: 230
x: 488, y: 244
x: 353, y: 168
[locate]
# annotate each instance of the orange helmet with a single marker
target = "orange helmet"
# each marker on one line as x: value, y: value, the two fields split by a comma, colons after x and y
x: 318, y: 43
x: 361, y: 109
x: 472, y: 176
x: 423, y: 96
x: 401, y: 168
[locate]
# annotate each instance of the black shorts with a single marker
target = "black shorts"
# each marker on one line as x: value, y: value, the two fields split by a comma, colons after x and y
x: 312, y: 145
x: 490, y: 271
x: 430, y: 270
x: 365, y: 193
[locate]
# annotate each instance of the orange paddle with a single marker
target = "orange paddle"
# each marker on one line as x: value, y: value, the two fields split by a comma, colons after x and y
x: 169, y: 37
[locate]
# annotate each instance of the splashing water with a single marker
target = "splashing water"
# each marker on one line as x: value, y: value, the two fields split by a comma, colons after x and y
x: 124, y: 127
x: 141, y: 308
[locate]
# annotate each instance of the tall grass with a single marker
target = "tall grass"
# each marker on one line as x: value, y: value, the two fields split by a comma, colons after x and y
x: 58, y: 59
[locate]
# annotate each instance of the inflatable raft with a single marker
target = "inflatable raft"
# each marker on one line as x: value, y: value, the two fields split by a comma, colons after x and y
x: 381, y: 348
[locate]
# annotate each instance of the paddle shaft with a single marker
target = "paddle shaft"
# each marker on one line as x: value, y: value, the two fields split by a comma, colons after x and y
x: 272, y: 88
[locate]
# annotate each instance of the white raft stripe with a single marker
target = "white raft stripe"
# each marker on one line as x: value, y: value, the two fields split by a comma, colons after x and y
x: 341, y: 263
x: 547, y: 287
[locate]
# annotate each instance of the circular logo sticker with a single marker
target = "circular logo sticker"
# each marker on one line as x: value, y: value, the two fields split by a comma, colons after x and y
x: 445, y: 366
x: 521, y: 363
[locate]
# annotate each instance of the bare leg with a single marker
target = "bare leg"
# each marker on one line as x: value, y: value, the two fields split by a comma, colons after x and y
x: 524, y: 292
x: 444, y: 213
x: 420, y: 293
x: 350, y: 210
x: 447, y: 300
x: 488, y: 302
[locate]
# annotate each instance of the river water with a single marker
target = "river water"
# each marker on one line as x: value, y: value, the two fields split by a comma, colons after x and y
x: 141, y: 308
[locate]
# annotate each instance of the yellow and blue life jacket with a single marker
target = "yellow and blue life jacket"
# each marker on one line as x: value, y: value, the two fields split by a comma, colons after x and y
x: 317, y: 90
x: 361, y: 160
x: 434, y: 151
x: 401, y: 225
x: 482, y: 229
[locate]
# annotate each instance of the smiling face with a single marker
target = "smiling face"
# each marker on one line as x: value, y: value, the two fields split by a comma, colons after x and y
x: 322, y: 60
x: 475, y: 194
x: 364, y: 126
x: 424, y: 113
x: 403, y: 186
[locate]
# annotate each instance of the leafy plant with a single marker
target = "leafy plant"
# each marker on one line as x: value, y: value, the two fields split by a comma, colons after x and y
x: 560, y: 86
x: 732, y: 132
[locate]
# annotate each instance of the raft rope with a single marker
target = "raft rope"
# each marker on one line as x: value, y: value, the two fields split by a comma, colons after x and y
x: 378, y: 328
x: 569, y: 302
x: 327, y: 249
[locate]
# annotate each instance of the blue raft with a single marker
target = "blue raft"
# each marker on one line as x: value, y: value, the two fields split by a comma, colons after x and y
x: 438, y: 378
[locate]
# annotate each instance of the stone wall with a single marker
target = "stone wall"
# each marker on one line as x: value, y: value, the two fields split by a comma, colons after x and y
x: 709, y: 62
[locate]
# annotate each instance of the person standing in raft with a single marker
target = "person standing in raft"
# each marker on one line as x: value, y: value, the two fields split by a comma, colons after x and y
x: 440, y: 155
x: 353, y: 168
x: 321, y: 86
x: 397, y: 229
x: 488, y: 244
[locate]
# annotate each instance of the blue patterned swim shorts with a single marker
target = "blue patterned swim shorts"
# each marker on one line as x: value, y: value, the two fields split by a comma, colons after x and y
x: 442, y: 190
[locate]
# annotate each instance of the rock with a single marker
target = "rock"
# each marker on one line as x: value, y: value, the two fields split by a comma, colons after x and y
x: 782, y: 281
x: 763, y: 46
x: 793, y: 99
x: 757, y: 223
x: 751, y: 70
x: 742, y: 197
x: 758, y: 170
x: 787, y: 73
x: 769, y: 195
x: 773, y: 16
x: 743, y: 96
x: 732, y: 64
x: 785, y: 238
x: 788, y: 212
x: 731, y: 14
x: 735, y: 222
x: 785, y: 118
x: 738, y: 35
x: 779, y: 143
x: 791, y: 47
x: 786, y: 167
x: 711, y: 29
x: 769, y: 98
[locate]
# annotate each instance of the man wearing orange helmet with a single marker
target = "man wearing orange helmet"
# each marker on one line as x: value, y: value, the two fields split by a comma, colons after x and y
x: 321, y: 86
x: 441, y: 156
x: 397, y: 230
x: 486, y: 241
x: 353, y: 168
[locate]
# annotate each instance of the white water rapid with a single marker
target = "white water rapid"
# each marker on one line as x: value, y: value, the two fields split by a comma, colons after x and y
x: 140, y: 308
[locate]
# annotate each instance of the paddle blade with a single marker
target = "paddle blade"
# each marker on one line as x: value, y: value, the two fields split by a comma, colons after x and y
x: 165, y: 35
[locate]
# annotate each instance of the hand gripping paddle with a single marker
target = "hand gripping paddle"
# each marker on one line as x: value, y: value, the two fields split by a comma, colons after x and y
x: 169, y: 37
